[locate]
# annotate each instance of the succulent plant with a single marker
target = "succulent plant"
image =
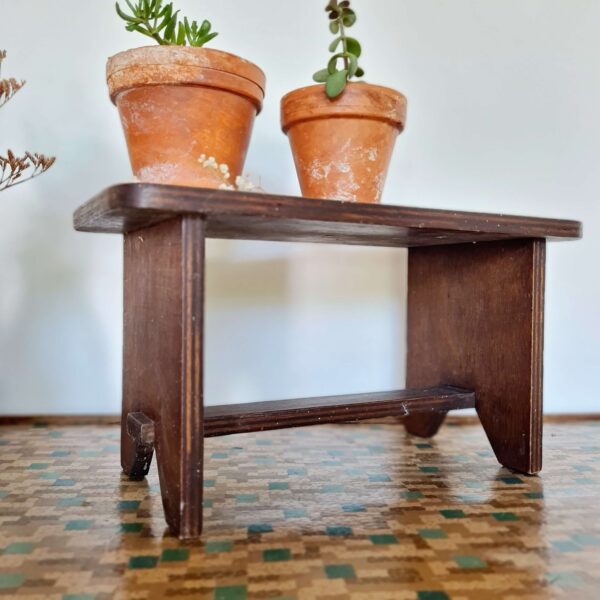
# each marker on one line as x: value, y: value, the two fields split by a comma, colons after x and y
x: 162, y: 24
x: 341, y: 17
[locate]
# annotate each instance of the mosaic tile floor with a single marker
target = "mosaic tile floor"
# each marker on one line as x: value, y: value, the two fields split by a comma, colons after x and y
x: 331, y: 512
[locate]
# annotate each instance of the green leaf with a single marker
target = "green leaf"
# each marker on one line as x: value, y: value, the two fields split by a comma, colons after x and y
x: 321, y: 76
x: 204, y: 28
x: 204, y: 40
x: 333, y: 46
x: 349, y: 18
x: 181, y: 35
x: 170, y: 30
x: 334, y: 27
x: 353, y: 65
x: 360, y: 72
x: 336, y: 82
x: 353, y: 47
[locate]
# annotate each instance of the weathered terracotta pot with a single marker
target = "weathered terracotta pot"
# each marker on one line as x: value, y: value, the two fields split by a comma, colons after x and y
x: 177, y: 103
x: 342, y: 148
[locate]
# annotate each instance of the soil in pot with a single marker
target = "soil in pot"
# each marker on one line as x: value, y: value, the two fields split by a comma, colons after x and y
x: 178, y: 103
x: 342, y: 147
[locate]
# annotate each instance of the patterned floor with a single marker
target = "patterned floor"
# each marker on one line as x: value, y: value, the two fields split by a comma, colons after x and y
x: 331, y: 512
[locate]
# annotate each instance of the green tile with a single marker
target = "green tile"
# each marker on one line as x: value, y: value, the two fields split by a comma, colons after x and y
x: 49, y: 475
x: 565, y: 546
x: 340, y: 572
x: 452, y: 514
x: 265, y: 460
x: 564, y: 579
x: 208, y: 483
x: 231, y: 592
x: 143, y: 562
x: 294, y: 513
x: 278, y: 485
x: 296, y: 471
x: 219, y: 455
x: 421, y: 446
x: 277, y: 555
x: 217, y: 546
x: 10, y: 580
x: 63, y: 502
x: 432, y: 595
x: 260, y: 528
x: 353, y: 508
x: 174, y: 554
x: 383, y: 539
x: 470, y: 562
x: 89, y: 453
x: 432, y: 534
x: 19, y: 548
x: 128, y: 505
x: 338, y: 530
x: 332, y: 488
x: 64, y: 482
x: 505, y: 516
x: 429, y: 469
x: 131, y: 527
x: 244, y: 498
x: 38, y: 466
x: 60, y: 453
x: 3, y: 493
x: 586, y: 539
x: 379, y: 478
x: 207, y: 503
x: 511, y: 480
x: 414, y: 495
x: 78, y: 525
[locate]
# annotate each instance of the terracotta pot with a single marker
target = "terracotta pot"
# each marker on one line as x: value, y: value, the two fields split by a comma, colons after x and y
x: 342, y: 148
x: 177, y: 103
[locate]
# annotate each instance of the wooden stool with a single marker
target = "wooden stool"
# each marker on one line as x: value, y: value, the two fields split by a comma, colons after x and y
x: 475, y: 323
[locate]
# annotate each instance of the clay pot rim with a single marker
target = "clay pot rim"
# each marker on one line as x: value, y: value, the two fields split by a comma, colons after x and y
x: 310, y: 103
x: 121, y: 77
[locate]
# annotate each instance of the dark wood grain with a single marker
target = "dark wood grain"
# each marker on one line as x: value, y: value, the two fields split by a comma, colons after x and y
x: 262, y: 416
x: 475, y: 320
x: 162, y: 359
x: 236, y: 215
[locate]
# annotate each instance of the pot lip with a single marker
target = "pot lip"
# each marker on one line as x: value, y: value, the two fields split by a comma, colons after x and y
x: 310, y: 103
x: 208, y: 59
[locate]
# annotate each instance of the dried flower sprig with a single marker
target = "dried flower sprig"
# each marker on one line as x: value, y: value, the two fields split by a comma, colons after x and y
x: 161, y: 23
x: 18, y: 169
x: 341, y: 17
x: 8, y: 87
x: 14, y: 168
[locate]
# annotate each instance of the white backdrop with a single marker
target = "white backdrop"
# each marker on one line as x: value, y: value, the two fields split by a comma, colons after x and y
x: 503, y: 117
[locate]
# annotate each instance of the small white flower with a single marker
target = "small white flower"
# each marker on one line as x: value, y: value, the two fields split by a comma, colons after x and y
x: 224, y: 168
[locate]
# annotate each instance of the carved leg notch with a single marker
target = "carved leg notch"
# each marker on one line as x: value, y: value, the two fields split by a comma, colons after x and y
x: 138, y: 446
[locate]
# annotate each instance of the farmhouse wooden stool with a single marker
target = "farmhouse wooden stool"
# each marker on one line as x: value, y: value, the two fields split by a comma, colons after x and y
x: 475, y: 323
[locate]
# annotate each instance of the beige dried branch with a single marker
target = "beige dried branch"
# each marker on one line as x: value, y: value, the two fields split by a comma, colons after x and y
x: 19, y: 169
x: 8, y: 87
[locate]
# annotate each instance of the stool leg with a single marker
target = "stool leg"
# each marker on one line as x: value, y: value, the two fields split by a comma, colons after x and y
x: 475, y: 320
x: 162, y: 361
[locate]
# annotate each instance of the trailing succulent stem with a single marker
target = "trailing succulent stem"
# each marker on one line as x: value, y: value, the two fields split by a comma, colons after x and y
x: 343, y: 65
x: 162, y: 24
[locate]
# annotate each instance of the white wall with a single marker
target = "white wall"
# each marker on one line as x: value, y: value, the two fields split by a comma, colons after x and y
x: 503, y: 117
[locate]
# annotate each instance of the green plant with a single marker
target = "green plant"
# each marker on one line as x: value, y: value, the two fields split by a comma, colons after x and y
x: 162, y: 24
x: 18, y: 169
x: 341, y: 17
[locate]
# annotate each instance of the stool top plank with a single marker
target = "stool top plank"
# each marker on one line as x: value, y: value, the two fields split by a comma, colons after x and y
x: 249, y: 216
